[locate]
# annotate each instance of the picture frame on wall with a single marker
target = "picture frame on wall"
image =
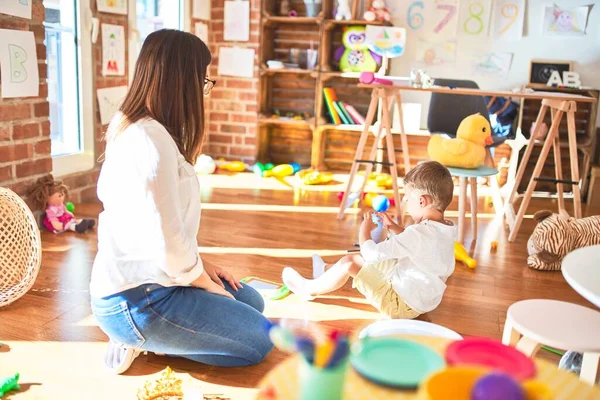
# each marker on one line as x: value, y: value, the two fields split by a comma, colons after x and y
x: 541, y: 70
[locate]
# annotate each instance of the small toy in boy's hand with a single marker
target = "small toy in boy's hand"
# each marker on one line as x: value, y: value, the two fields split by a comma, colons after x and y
x: 49, y: 195
x: 8, y: 384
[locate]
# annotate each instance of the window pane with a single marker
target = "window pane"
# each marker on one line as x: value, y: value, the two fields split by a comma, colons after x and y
x: 61, y: 51
x: 153, y: 15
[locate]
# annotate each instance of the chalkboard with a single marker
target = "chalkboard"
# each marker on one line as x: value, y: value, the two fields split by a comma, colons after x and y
x: 540, y: 70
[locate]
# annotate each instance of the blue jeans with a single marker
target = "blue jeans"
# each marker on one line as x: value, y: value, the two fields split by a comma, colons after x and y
x: 188, y: 322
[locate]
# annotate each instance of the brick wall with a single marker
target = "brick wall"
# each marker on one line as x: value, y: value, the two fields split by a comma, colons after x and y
x: 24, y: 124
x: 233, y: 104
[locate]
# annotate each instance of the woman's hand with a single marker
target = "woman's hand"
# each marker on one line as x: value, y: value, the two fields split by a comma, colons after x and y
x: 205, y: 282
x: 218, y: 273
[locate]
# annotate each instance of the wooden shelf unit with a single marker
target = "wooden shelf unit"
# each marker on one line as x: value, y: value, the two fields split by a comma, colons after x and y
x: 301, y: 90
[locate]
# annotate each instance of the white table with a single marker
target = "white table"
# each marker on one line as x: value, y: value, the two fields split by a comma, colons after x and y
x: 581, y: 269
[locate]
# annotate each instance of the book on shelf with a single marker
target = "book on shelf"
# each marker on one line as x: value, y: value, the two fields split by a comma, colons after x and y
x: 339, y: 107
x: 339, y: 111
x: 330, y: 98
x: 356, y: 116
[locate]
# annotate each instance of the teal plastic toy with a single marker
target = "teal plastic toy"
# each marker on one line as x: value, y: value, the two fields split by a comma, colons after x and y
x: 70, y: 207
x: 8, y: 384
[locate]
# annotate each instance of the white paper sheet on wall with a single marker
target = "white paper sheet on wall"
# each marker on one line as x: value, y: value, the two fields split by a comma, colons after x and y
x: 432, y: 53
x: 234, y: 61
x: 113, y: 50
x: 112, y: 6
x: 19, y: 64
x: 474, y: 18
x: 237, y: 20
x: 109, y: 100
x: 493, y: 65
x: 560, y: 21
x: 201, y: 9
x: 441, y: 19
x: 508, y: 19
x: 201, y: 30
x: 18, y: 8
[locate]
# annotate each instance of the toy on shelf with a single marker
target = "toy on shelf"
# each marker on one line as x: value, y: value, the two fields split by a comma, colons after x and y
x: 312, y: 177
x: 355, y: 55
x: 343, y: 10
x: 205, y: 165
x: 555, y: 236
x: 49, y: 195
x: 260, y: 168
x: 467, y: 150
x: 8, y: 384
x: 279, y: 171
x: 378, y: 12
x: 232, y: 166
x: 290, y: 116
x: 460, y: 254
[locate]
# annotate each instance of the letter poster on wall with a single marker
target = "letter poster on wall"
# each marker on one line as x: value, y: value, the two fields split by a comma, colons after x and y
x: 18, y: 60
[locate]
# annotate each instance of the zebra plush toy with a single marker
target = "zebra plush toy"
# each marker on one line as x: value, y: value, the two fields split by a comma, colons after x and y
x: 556, y: 236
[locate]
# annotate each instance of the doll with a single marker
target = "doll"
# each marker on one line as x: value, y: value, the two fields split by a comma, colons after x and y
x: 49, y: 195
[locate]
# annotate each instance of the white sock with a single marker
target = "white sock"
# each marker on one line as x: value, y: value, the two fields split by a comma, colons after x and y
x: 318, y: 266
x: 296, y: 283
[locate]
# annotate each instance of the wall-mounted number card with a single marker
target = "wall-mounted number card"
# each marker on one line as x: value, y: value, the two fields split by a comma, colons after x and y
x: 442, y: 18
x: 474, y: 17
x: 413, y: 15
x: 19, y: 64
x: 508, y: 19
x: 18, y: 8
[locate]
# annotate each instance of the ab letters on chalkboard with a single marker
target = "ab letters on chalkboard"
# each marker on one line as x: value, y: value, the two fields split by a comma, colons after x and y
x: 540, y: 71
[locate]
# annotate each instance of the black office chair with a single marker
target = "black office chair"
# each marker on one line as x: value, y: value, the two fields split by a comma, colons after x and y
x: 446, y: 111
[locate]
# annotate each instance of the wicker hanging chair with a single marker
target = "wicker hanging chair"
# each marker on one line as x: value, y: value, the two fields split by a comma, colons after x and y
x: 20, y: 247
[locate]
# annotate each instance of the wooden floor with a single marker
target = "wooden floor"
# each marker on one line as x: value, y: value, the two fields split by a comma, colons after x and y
x: 251, y: 226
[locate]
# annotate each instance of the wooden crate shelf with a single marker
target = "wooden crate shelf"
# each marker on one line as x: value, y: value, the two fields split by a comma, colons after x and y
x: 271, y: 20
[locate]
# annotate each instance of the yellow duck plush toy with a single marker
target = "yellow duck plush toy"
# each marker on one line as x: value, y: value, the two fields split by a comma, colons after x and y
x: 468, y: 149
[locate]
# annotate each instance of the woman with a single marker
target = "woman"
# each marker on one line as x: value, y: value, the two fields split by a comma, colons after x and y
x: 150, y: 289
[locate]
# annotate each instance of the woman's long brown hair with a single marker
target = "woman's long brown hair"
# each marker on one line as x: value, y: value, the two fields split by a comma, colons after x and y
x: 168, y: 86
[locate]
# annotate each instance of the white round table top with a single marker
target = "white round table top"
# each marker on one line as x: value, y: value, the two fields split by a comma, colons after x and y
x: 557, y: 324
x: 581, y: 269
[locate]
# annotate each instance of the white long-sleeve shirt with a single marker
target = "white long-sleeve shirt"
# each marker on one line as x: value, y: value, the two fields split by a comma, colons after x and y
x: 425, y: 254
x: 151, y: 196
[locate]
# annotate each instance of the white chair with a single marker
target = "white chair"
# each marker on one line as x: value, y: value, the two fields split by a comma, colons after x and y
x: 392, y: 327
x: 20, y: 247
x: 533, y: 323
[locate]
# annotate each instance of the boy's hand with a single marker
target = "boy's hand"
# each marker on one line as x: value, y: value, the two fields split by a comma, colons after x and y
x: 367, y: 224
x: 389, y: 224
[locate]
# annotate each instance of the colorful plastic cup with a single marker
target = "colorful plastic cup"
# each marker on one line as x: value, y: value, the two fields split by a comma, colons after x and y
x: 321, y: 383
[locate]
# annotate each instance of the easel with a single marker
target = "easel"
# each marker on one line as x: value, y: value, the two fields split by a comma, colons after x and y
x: 385, y: 95
x: 557, y: 109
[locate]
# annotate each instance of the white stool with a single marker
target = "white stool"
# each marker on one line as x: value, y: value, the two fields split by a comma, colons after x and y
x: 533, y: 323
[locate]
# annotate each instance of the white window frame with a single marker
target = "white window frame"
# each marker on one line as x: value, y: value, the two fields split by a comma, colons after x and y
x: 84, y: 160
x: 134, y: 33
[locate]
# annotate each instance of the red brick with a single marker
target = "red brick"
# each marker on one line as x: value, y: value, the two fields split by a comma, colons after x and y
x: 255, y: 15
x: 41, y: 109
x: 217, y: 14
x: 218, y: 150
x: 36, y: 167
x: 38, y: 12
x: 212, y: 127
x: 252, y: 107
x: 42, y: 71
x: 45, y: 128
x: 233, y: 128
x: 252, y: 130
x: 242, y: 151
x: 4, y: 133
x: 15, y: 152
x: 239, y: 84
x: 14, y: 112
x: 20, y: 188
x: 26, y: 131
x: 248, y: 96
x: 43, y: 91
x: 6, y: 173
x: 239, y: 140
x: 223, y: 94
x: 43, y: 147
x: 39, y: 32
x: 40, y: 50
x: 227, y: 106
x: 249, y: 140
x: 243, y: 118
x: 14, y: 23
x: 219, y: 116
x: 220, y: 139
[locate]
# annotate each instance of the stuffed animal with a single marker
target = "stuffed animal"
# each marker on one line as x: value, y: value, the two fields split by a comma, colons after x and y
x: 354, y: 55
x: 378, y: 12
x: 468, y: 149
x: 50, y: 195
x: 556, y: 236
x: 343, y: 11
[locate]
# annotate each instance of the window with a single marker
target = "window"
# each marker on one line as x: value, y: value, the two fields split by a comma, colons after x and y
x: 150, y: 16
x: 68, y: 55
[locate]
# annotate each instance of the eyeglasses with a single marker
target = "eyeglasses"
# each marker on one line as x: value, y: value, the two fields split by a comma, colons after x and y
x: 209, y: 84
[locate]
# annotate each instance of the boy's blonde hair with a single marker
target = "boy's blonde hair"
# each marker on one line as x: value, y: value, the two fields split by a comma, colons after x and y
x: 433, y: 179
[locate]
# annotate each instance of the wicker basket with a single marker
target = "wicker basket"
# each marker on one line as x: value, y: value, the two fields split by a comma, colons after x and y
x: 20, y: 247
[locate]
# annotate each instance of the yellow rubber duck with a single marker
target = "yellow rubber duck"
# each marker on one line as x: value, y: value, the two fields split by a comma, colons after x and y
x: 468, y: 149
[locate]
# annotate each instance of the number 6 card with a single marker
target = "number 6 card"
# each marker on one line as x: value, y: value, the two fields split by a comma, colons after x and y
x: 19, y: 64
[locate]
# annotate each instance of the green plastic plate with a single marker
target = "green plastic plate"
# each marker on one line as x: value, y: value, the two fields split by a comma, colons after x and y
x: 395, y: 362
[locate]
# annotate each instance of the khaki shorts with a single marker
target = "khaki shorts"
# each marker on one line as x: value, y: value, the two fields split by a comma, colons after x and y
x: 378, y: 290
